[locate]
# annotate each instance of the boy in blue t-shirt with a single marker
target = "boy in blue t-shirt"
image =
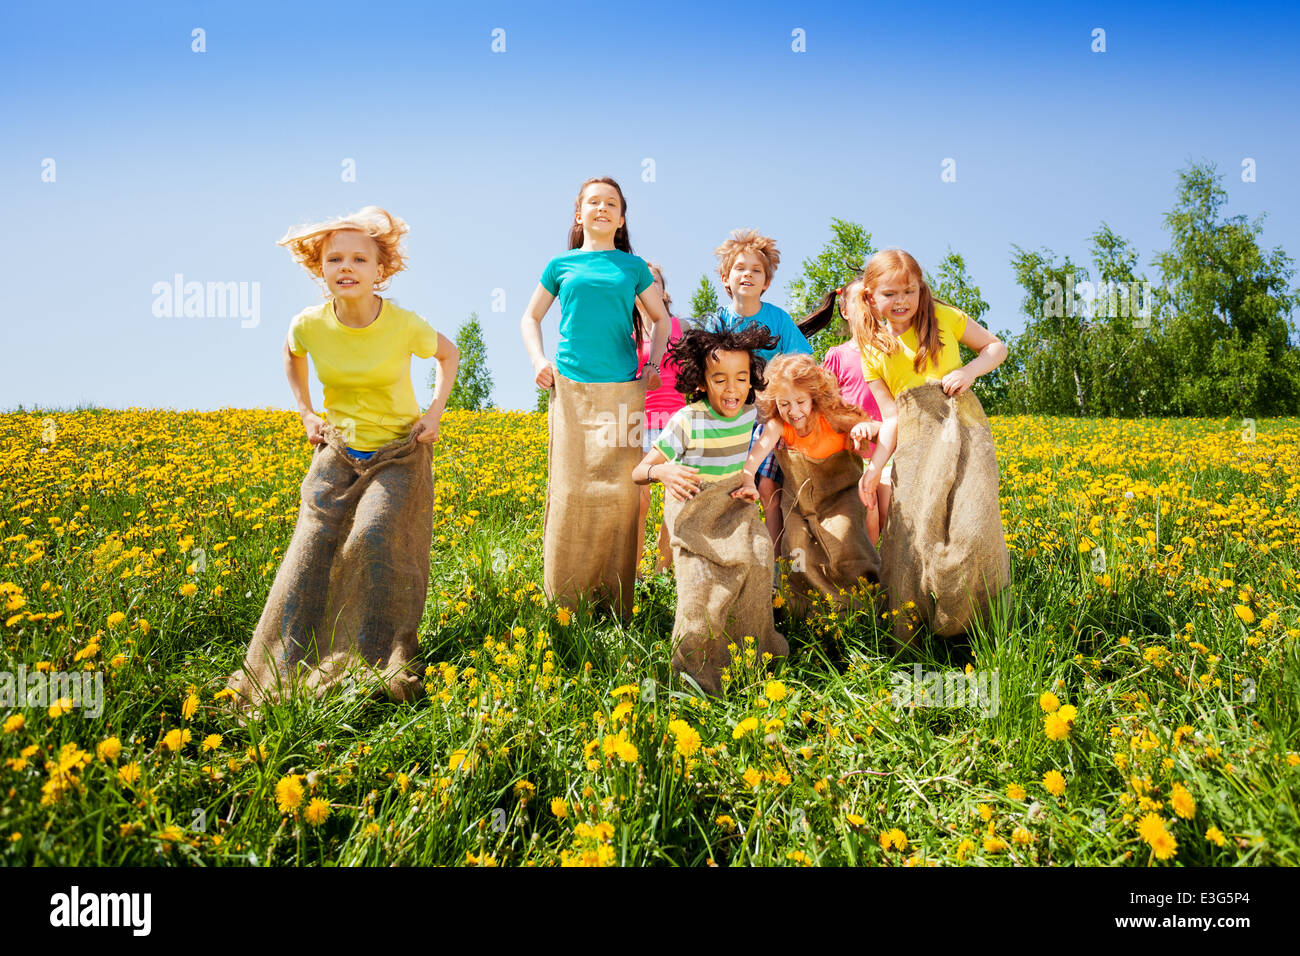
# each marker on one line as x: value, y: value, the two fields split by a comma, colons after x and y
x: 748, y: 261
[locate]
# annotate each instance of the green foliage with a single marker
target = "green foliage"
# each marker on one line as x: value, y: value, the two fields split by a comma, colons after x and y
x: 705, y: 299
x: 952, y: 285
x: 472, y: 390
x: 1215, y: 338
x: 840, y: 261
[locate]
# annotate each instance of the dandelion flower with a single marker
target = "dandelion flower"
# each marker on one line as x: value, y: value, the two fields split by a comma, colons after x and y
x: 190, y: 706
x: 1048, y: 702
x: 1152, y: 831
x: 1015, y: 791
x: 212, y: 742
x: 317, y: 811
x: 774, y: 690
x: 188, y: 588
x: 1182, y: 802
x: 559, y: 808
x: 129, y: 774
x: 1055, y: 728
x: 108, y: 749
x: 14, y: 724
x: 1245, y: 614
x: 1054, y: 783
x: 753, y: 778
x: 176, y: 739
x: 563, y: 616
x: 289, y: 793
x: 1215, y: 836
x: 994, y: 844
x: 116, y: 618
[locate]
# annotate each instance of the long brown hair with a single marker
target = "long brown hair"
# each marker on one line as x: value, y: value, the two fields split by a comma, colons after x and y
x: 802, y: 374
x: 876, y: 331
x: 621, y: 240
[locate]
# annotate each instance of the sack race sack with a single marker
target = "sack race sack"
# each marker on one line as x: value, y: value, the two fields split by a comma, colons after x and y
x: 722, y: 560
x: 825, y: 537
x: 589, y: 534
x: 347, y: 601
x: 944, y: 549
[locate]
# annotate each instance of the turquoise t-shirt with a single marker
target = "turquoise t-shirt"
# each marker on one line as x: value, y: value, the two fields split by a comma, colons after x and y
x: 596, y: 291
x: 777, y: 321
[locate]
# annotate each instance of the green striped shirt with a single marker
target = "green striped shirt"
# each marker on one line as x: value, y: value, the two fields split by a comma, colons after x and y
x: 698, y: 437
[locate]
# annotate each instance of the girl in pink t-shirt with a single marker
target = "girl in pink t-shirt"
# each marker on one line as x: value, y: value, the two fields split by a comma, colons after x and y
x: 660, y: 405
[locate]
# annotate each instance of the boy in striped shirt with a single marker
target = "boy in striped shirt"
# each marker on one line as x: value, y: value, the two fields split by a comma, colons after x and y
x: 709, y: 439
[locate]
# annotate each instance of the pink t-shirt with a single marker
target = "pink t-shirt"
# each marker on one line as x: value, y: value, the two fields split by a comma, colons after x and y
x: 845, y: 363
x: 664, y: 400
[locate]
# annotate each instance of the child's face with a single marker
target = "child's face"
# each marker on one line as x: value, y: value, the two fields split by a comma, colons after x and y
x: 600, y: 212
x: 795, y: 408
x: 350, y: 264
x: 726, y: 381
x: 896, y: 298
x: 748, y: 277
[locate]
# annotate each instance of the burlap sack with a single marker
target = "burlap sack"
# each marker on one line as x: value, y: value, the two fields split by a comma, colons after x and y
x: 944, y: 549
x: 722, y: 559
x: 346, y: 603
x: 589, y: 536
x: 825, y: 537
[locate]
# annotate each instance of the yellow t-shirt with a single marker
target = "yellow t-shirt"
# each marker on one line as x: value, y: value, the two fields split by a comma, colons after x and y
x: 897, y: 371
x: 366, y: 372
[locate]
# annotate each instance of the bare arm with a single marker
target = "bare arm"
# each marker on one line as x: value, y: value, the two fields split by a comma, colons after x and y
x: 530, y: 326
x: 652, y: 304
x: 295, y: 370
x: 991, y: 351
x: 448, y: 359
x: 765, y: 445
x: 885, y: 442
x: 679, y: 479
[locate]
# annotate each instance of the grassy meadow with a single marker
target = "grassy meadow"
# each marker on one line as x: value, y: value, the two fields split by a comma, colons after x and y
x: 1148, y: 679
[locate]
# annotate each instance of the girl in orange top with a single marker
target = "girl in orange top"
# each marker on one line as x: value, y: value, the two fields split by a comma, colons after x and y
x: 815, y: 419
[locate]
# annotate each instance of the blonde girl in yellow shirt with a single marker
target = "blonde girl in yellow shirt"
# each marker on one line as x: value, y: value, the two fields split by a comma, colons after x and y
x: 910, y: 339
x: 360, y: 342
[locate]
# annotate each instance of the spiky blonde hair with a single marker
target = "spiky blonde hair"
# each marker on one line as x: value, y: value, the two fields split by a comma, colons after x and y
x: 746, y: 240
x: 307, y: 243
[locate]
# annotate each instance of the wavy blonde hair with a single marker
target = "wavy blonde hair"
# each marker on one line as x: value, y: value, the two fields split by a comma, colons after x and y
x: 800, y: 373
x: 746, y: 240
x: 307, y: 243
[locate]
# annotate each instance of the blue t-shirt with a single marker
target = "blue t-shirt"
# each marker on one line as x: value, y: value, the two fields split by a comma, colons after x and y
x: 777, y: 321
x: 596, y: 291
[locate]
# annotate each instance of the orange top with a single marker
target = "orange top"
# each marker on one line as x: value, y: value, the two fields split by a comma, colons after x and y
x: 821, y: 442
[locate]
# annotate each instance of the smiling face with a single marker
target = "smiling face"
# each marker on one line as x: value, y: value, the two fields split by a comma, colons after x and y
x: 600, y: 212
x: 726, y: 381
x: 748, y: 278
x: 350, y: 264
x: 795, y: 408
x: 896, y: 298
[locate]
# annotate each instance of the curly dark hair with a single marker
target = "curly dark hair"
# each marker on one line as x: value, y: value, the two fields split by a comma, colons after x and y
x: 691, y: 351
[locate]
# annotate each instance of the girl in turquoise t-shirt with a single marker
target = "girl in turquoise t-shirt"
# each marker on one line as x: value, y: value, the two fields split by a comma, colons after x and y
x: 597, y: 402
x: 597, y: 282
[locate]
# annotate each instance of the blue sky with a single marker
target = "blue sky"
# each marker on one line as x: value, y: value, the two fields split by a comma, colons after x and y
x: 168, y: 161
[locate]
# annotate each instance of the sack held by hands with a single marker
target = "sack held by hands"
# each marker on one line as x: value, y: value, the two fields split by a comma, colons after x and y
x: 348, y: 597
x: 589, y: 537
x: 722, y: 559
x: 825, y: 537
x: 944, y: 549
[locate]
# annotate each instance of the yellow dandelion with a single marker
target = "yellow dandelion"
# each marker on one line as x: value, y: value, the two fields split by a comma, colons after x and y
x: 1048, y: 702
x: 212, y: 742
x: 1015, y: 791
x: 1181, y: 800
x: 1246, y: 615
x: 1054, y: 783
x: 108, y: 749
x: 188, y: 588
x: 317, y: 811
x: 176, y: 739
x: 1215, y: 836
x: 559, y: 808
x: 563, y: 616
x: 190, y: 707
x: 116, y: 618
x: 289, y: 793
x: 14, y: 724
x: 774, y: 690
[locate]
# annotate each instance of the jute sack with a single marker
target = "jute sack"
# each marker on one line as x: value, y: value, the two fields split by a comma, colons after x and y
x: 346, y: 603
x: 589, y: 537
x: 722, y: 559
x: 944, y: 549
x: 825, y: 537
